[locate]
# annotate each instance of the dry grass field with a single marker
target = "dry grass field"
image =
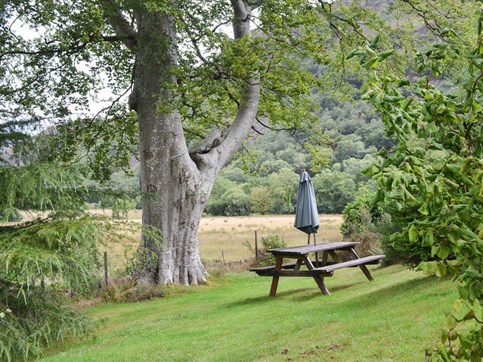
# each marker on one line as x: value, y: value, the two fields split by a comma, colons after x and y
x: 227, y: 236
x: 223, y: 238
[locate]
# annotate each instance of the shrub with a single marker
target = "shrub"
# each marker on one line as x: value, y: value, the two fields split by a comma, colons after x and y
x: 261, y: 200
x: 272, y: 241
x: 233, y: 202
x: 365, y: 222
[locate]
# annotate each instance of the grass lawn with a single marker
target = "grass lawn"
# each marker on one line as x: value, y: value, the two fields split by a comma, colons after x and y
x: 391, y: 319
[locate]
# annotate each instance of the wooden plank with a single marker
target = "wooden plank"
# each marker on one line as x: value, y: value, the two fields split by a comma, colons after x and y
x: 360, y: 261
x: 293, y: 273
x: 334, y: 256
x: 308, y: 263
x: 298, y: 264
x: 320, y: 283
x: 284, y: 266
x: 307, y: 249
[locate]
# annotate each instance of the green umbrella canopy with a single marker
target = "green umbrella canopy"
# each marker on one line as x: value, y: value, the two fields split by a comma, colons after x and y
x: 306, y: 216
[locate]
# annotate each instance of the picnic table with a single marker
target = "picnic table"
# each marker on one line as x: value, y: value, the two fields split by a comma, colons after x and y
x: 318, y: 269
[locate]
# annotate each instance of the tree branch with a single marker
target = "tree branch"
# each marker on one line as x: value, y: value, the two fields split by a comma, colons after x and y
x: 220, y: 144
x: 250, y: 96
x: 290, y: 129
x: 120, y: 24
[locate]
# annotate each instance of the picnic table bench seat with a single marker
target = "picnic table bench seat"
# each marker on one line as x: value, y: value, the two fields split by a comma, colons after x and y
x: 372, y: 259
x: 272, y: 272
x: 272, y: 267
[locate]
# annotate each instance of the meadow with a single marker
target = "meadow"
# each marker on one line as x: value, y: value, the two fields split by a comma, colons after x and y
x: 224, y: 238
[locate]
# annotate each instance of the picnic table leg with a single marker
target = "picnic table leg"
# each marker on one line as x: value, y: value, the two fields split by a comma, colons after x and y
x: 298, y: 265
x: 278, y: 266
x: 318, y: 278
x: 320, y: 282
x: 364, y: 269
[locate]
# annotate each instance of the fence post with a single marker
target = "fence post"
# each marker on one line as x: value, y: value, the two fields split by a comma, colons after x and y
x: 256, y: 246
x: 106, y: 275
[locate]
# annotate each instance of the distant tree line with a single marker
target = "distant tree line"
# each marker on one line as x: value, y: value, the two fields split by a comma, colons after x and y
x: 264, y: 178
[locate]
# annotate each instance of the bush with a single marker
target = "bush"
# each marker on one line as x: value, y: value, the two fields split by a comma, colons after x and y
x: 271, y: 241
x: 261, y: 200
x: 121, y: 207
x: 365, y: 222
x: 10, y: 215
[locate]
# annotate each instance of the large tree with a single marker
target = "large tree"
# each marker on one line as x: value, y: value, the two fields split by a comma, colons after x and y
x: 196, y: 88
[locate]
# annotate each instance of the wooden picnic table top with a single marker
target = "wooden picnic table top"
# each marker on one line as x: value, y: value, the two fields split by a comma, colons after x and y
x: 307, y: 249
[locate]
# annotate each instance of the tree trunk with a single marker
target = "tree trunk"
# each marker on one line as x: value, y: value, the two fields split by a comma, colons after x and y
x: 175, y: 185
x: 175, y: 192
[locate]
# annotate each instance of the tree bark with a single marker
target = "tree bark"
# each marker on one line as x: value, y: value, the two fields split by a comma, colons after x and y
x: 175, y: 184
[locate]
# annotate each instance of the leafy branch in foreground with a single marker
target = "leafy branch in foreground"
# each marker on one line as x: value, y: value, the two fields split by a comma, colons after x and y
x: 44, y: 262
x: 40, y: 265
x: 431, y: 183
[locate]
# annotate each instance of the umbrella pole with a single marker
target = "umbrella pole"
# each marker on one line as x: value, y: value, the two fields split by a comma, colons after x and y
x: 316, y: 255
x: 308, y: 239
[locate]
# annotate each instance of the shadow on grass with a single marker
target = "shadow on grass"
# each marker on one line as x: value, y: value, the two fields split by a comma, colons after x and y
x: 299, y: 295
x: 310, y: 293
x: 399, y: 291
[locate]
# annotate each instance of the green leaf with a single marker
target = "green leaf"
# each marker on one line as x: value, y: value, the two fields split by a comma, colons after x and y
x: 413, y: 234
x: 385, y: 54
x: 428, y: 268
x: 440, y: 269
x: 443, y: 251
x: 424, y: 209
x: 371, y: 63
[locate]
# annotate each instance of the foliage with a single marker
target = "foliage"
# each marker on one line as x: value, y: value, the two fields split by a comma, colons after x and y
x: 42, y: 186
x: 47, y: 261
x: 233, y: 201
x: 261, y: 200
x: 431, y: 183
x: 40, y: 265
x: 333, y: 190
x: 365, y: 222
x: 121, y: 207
x: 271, y: 241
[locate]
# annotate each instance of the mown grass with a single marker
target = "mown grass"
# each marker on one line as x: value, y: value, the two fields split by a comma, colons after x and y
x: 232, y: 319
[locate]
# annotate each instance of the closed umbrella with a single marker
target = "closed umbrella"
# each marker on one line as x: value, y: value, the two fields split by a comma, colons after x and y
x: 306, y: 215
